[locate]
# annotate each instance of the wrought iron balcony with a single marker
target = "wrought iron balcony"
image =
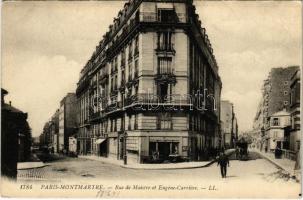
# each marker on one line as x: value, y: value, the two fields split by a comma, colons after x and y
x: 82, y: 86
x: 152, y: 17
x: 167, y: 48
x: 165, y: 77
x: 103, y: 78
x: 145, y: 98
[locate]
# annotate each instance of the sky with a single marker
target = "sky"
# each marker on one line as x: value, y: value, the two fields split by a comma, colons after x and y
x: 46, y: 44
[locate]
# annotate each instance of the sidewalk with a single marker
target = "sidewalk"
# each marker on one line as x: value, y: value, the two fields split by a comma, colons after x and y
x: 167, y: 166
x: 29, y: 165
x: 283, y: 163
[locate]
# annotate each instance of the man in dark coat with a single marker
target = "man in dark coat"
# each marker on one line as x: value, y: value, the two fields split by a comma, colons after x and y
x: 223, y: 161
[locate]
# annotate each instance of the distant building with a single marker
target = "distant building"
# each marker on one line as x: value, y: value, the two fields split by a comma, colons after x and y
x: 67, y: 120
x: 275, y: 98
x: 35, y: 140
x: 46, y: 136
x: 229, y: 124
x: 295, y: 88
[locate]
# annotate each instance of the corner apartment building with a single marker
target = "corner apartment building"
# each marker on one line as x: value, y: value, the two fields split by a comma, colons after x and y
x: 229, y: 124
x: 275, y: 98
x: 295, y: 88
x: 49, y: 136
x: 137, y: 94
x: 67, y: 120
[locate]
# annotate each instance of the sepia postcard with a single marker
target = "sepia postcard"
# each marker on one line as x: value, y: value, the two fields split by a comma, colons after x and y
x: 151, y: 99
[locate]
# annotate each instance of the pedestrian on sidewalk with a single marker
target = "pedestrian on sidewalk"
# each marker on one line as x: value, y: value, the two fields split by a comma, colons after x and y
x: 223, y: 161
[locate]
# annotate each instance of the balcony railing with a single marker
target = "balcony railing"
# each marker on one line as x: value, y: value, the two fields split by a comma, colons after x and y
x: 166, y: 47
x: 148, y: 17
x: 165, y: 77
x: 152, y: 17
x: 95, y: 115
x: 103, y: 77
x: 82, y: 86
x: 145, y: 98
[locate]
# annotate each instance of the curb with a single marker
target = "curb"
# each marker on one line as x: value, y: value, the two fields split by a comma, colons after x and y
x: 275, y: 163
x: 175, y: 168
x: 26, y: 168
x: 172, y: 168
x: 201, y: 166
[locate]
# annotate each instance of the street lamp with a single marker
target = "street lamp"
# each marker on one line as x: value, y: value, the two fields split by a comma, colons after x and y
x: 124, y: 153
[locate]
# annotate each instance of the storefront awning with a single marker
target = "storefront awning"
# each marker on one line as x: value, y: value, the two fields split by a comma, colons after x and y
x: 99, y: 141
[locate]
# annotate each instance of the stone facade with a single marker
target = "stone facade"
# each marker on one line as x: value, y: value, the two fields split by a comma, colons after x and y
x: 134, y: 92
x: 67, y: 120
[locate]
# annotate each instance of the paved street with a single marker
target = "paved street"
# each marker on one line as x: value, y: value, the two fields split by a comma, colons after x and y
x: 259, y: 172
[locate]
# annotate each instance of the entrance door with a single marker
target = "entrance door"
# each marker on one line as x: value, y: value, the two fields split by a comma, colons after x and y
x: 103, y: 148
x: 164, y: 150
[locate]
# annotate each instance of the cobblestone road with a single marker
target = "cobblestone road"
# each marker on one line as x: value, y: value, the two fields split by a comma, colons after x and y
x: 258, y: 172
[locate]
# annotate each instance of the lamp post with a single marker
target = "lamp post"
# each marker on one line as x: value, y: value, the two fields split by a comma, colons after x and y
x: 124, y: 152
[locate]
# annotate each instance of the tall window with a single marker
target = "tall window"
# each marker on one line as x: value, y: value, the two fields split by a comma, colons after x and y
x: 130, y: 123
x: 164, y: 65
x: 122, y: 58
x: 116, y: 65
x: 165, y: 121
x: 167, y: 15
x: 136, y: 122
x: 130, y: 72
x: 165, y: 41
x: 130, y: 51
x: 116, y: 82
x: 112, y: 84
x: 122, y: 77
x: 136, y: 52
x: 136, y: 68
x: 276, y: 122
